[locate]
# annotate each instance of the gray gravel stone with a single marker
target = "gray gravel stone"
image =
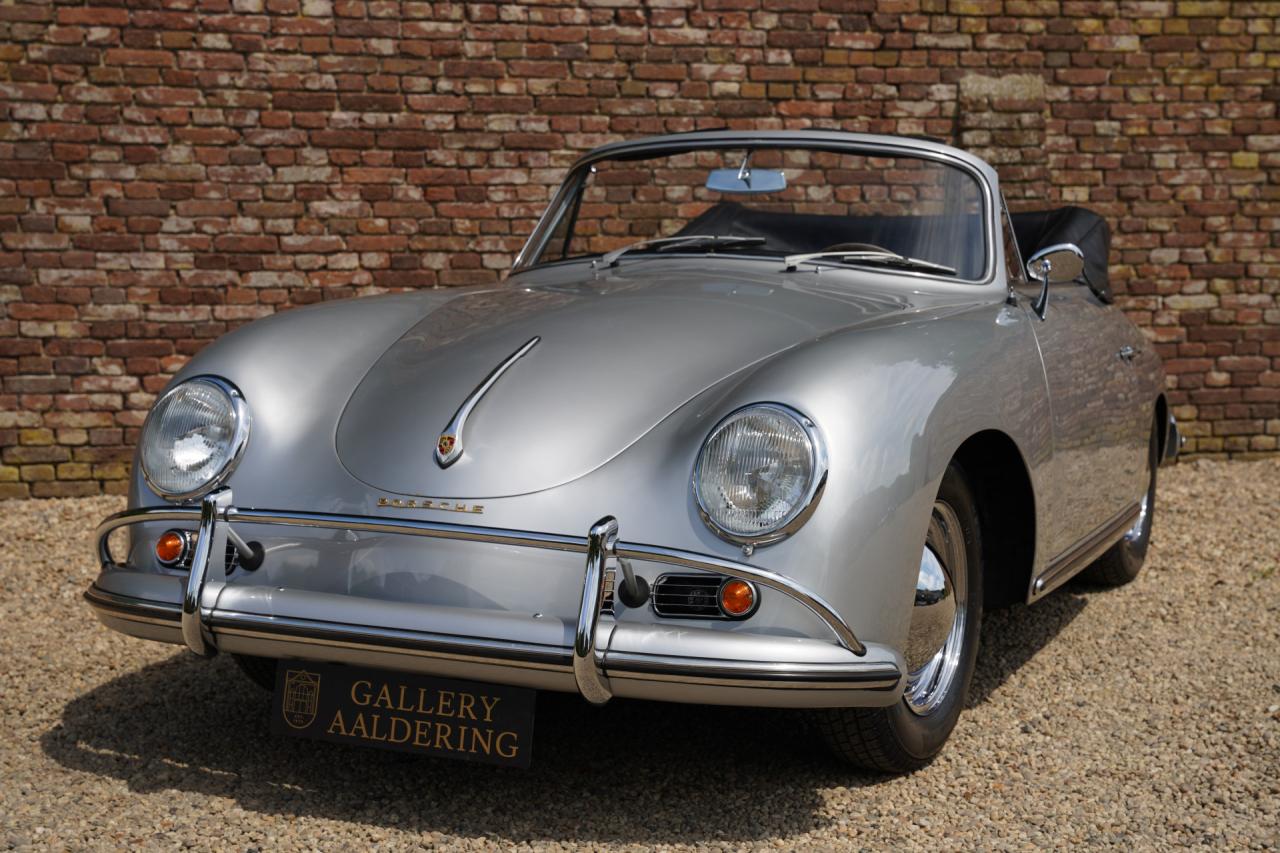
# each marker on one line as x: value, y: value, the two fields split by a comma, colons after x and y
x: 1147, y: 716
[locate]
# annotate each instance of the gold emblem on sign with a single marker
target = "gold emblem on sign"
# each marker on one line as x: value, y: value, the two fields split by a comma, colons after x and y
x: 301, y: 697
x: 430, y: 503
x: 445, y: 445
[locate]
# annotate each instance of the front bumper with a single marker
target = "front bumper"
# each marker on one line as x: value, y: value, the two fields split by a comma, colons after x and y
x: 605, y: 659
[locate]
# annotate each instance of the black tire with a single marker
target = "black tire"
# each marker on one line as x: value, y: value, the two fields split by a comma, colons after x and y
x: 261, y: 671
x: 1124, y: 560
x: 897, y: 739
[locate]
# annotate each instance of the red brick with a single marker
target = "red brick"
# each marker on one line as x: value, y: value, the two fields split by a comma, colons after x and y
x: 168, y: 173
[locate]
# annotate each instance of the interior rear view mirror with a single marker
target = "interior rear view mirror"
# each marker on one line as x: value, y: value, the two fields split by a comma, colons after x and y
x: 745, y: 179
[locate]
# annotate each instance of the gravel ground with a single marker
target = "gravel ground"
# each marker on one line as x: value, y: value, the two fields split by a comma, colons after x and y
x: 1147, y: 716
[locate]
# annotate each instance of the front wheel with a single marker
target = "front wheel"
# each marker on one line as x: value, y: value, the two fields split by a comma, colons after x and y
x: 942, y: 646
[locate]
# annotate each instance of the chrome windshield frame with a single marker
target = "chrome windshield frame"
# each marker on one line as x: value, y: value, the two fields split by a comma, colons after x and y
x: 815, y: 140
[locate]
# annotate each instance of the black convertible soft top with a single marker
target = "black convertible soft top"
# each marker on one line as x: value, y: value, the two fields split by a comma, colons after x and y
x: 1039, y: 229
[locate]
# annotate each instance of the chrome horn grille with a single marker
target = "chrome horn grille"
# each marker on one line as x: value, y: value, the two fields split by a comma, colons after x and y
x: 688, y: 596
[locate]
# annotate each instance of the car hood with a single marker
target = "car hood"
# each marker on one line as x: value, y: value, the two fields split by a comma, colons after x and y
x: 618, y: 352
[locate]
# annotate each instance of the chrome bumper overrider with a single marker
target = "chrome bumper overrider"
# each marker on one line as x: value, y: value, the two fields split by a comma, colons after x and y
x: 205, y: 628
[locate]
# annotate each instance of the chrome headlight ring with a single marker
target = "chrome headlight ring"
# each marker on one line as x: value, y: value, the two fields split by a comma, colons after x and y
x: 802, y: 508
x: 238, y: 410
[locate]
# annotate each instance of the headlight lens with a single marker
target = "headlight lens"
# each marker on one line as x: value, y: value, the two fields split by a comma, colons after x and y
x: 193, y: 436
x: 760, y: 468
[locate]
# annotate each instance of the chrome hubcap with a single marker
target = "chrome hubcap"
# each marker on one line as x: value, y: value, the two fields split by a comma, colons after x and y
x: 938, y: 617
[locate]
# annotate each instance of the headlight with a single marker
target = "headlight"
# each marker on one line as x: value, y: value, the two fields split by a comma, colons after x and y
x: 760, y: 473
x: 193, y: 437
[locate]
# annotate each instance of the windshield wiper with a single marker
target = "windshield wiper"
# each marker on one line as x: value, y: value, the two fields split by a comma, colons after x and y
x: 610, y: 259
x: 886, y: 257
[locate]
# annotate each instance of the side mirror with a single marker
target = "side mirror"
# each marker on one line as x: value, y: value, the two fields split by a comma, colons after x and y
x: 1054, y: 265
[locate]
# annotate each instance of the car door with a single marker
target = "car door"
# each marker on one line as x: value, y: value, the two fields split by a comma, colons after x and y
x: 1091, y: 394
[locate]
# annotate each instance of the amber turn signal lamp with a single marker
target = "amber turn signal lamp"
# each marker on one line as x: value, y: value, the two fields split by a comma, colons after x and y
x: 737, y: 598
x: 170, y: 547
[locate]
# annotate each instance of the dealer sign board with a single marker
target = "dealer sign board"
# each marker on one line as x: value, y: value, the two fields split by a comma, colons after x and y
x: 412, y: 713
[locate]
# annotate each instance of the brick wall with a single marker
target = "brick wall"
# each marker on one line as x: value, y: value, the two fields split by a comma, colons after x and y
x: 169, y: 170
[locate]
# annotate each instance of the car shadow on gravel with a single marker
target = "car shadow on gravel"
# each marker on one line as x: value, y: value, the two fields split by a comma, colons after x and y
x: 631, y: 772
x: 1013, y: 635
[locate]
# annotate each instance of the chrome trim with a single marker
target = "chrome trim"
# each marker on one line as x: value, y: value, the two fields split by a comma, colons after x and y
x: 666, y: 577
x: 591, y: 680
x: 542, y: 231
x: 239, y: 439
x: 799, y: 515
x: 122, y: 519
x: 1078, y: 557
x: 194, y: 632
x: 815, y: 139
x: 419, y: 643
x: 822, y: 676
x: 133, y: 609
x: 520, y: 538
x: 455, y: 426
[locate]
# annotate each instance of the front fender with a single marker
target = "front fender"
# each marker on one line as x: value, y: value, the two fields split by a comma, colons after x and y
x: 296, y: 370
x: 895, y: 403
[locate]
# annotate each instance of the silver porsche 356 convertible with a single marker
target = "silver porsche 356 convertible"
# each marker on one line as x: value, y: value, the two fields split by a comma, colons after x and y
x: 757, y: 419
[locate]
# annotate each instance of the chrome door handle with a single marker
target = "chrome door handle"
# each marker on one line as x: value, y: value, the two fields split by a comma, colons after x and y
x: 1127, y: 353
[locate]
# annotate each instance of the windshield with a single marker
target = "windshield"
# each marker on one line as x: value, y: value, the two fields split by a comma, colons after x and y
x: 895, y: 212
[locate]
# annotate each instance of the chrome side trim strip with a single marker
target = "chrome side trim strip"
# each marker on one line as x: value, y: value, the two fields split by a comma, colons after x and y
x: 520, y: 538
x: 1078, y: 557
x: 449, y: 447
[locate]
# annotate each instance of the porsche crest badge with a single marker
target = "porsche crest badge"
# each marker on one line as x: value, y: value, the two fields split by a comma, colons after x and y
x: 445, y: 444
x: 301, y: 697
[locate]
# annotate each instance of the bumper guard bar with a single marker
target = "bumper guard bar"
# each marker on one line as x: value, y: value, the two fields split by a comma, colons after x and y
x: 216, y: 514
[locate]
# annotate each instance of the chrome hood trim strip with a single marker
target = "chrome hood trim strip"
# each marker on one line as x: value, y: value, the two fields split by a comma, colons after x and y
x: 449, y: 447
